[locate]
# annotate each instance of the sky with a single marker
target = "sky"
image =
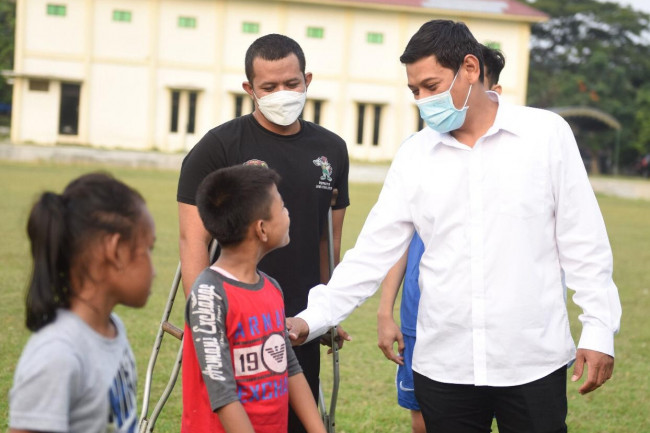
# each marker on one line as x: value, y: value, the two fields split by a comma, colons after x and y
x: 641, y: 5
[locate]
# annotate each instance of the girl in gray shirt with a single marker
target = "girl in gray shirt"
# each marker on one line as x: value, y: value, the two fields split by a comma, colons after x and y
x: 91, y: 249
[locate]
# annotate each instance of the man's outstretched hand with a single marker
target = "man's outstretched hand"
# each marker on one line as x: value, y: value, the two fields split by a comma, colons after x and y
x: 599, y: 368
x: 298, y: 330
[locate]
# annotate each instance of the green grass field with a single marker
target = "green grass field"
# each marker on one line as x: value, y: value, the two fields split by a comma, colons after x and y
x: 367, y: 397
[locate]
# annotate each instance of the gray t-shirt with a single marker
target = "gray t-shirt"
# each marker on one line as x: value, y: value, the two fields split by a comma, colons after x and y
x: 71, y: 379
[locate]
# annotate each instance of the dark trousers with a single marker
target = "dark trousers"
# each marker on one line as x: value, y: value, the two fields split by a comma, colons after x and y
x: 536, y: 407
x: 309, y: 357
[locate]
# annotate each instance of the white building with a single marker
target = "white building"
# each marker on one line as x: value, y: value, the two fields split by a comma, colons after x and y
x: 157, y: 74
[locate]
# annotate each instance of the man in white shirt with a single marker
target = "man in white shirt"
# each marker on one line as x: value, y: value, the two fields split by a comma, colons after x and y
x: 500, y: 197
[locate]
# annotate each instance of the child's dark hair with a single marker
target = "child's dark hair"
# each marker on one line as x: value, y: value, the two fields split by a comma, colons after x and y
x: 272, y: 47
x: 61, y: 226
x: 230, y: 199
x: 448, y: 41
x: 494, y: 63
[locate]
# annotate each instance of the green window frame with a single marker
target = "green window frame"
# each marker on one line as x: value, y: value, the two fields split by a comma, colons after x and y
x: 250, y: 27
x: 494, y: 45
x: 122, y: 16
x: 315, y: 32
x: 56, y: 10
x: 375, y: 38
x: 187, y: 22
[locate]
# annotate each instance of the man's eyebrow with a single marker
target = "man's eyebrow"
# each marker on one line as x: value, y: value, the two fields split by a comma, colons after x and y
x: 426, y: 82
x: 430, y: 81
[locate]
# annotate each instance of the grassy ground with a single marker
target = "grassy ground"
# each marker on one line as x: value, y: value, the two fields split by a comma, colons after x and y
x: 367, y: 398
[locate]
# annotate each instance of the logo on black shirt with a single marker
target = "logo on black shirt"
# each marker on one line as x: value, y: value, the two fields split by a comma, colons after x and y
x: 326, y: 173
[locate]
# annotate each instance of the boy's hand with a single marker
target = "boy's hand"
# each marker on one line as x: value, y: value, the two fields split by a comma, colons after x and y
x: 341, y: 336
x: 298, y: 330
x: 388, y: 333
x: 599, y: 368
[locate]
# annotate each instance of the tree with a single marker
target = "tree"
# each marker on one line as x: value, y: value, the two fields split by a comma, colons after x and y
x: 8, y: 20
x: 643, y: 115
x: 596, y: 54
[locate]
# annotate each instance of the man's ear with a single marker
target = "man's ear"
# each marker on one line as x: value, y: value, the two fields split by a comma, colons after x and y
x: 308, y: 77
x: 497, y: 88
x: 472, y: 68
x: 248, y: 88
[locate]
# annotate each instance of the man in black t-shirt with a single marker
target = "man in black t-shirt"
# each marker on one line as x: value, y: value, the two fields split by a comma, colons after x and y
x: 311, y: 161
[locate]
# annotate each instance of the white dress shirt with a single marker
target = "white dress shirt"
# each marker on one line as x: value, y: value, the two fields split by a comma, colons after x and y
x: 505, y: 224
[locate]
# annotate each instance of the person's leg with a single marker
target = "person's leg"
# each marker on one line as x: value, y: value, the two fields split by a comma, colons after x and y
x: 452, y: 408
x: 536, y: 407
x: 309, y: 358
x: 404, y: 383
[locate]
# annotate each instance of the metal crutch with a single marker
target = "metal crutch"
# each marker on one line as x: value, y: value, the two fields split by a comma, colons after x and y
x: 328, y: 417
x: 147, y: 424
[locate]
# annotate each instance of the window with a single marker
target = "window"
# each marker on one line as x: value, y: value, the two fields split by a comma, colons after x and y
x: 123, y: 16
x: 312, y: 111
x: 243, y: 105
x: 176, y: 98
x: 368, y: 116
x: 493, y: 45
x: 248, y: 27
x: 191, y: 120
x: 187, y: 22
x: 39, y: 85
x: 317, y: 109
x: 56, y: 10
x: 183, y: 102
x: 361, y: 114
x: 375, y: 125
x: 375, y: 38
x: 69, y: 109
x: 315, y: 32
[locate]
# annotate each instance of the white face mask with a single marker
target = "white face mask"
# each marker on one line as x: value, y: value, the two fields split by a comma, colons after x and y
x: 282, y: 107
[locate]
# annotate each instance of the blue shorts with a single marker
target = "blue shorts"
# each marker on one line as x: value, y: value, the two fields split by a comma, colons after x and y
x: 404, y: 377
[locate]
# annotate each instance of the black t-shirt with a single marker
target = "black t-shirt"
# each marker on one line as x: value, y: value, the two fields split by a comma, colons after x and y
x: 311, y: 163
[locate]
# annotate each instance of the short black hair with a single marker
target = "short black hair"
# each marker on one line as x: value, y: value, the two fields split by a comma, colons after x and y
x: 494, y: 63
x: 447, y: 40
x: 230, y: 199
x: 272, y: 47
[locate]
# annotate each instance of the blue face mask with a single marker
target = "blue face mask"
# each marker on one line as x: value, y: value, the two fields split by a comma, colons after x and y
x: 440, y: 114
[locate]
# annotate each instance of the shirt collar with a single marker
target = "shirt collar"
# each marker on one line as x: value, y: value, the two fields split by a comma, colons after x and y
x: 506, y: 118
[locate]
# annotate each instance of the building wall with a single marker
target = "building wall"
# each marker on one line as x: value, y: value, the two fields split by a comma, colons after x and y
x: 131, y: 71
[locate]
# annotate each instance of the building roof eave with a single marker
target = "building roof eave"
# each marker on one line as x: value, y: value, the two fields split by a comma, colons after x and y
x: 11, y: 74
x: 502, y: 10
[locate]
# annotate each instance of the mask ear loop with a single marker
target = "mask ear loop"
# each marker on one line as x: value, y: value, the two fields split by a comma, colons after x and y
x: 454, y: 80
x: 468, y: 93
x: 467, y: 99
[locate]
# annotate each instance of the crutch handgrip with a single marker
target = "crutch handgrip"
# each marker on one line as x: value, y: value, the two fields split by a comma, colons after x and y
x: 172, y: 330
